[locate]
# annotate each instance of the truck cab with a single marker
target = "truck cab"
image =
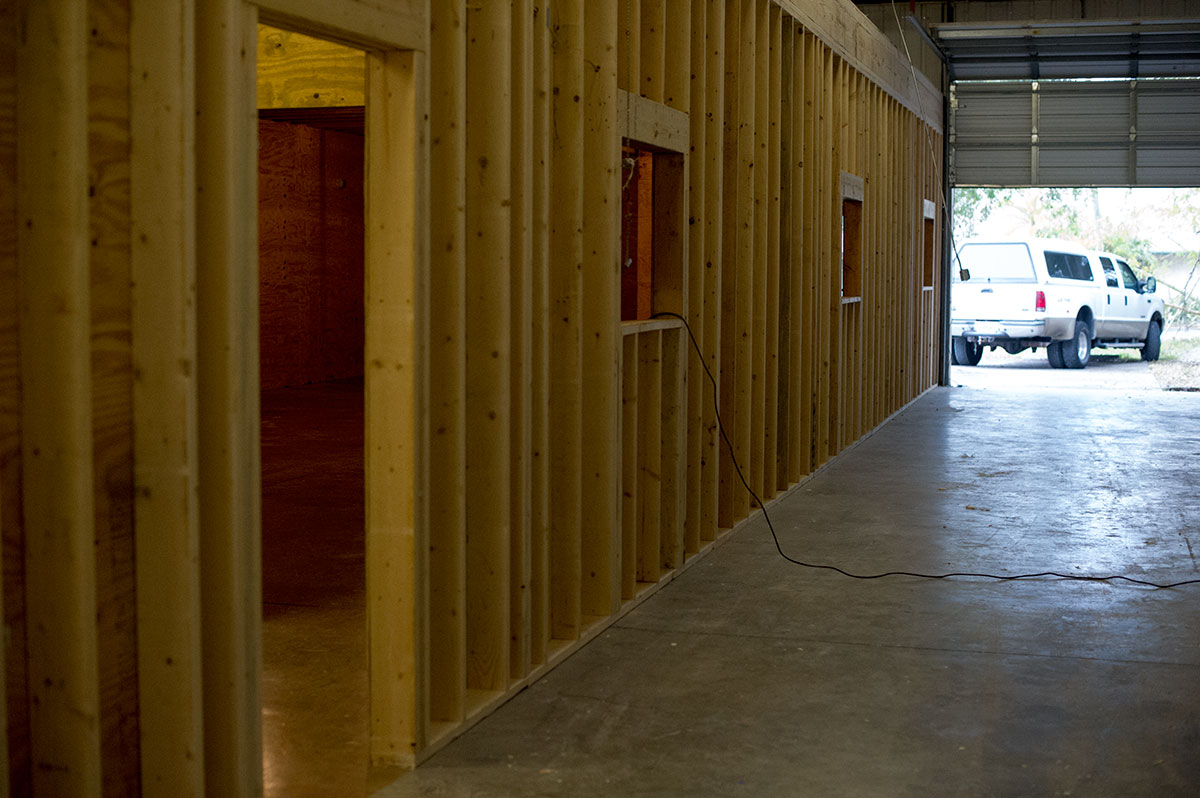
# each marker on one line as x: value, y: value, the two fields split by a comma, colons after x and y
x: 1017, y: 295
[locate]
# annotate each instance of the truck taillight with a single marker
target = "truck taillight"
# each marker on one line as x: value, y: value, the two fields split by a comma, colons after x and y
x: 1039, y: 301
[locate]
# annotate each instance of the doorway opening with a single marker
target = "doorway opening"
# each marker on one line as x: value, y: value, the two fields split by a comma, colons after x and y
x: 311, y: 99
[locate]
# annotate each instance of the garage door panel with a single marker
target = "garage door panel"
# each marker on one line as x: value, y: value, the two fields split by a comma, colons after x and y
x: 1076, y: 133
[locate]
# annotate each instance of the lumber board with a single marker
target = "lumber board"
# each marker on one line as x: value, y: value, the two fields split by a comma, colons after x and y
x: 227, y: 403
x: 14, y: 741
x: 395, y: 24
x: 539, y: 310
x: 56, y: 412
x: 853, y: 37
x: 673, y: 471
x: 601, y: 313
x: 521, y: 287
x: 712, y: 290
x: 652, y: 123
x: 678, y: 54
x: 629, y: 46
x: 489, y: 346
x: 760, y: 167
x: 787, y: 371
x: 650, y: 459
x: 774, y: 166
x: 396, y: 401
x: 696, y: 229
x: 109, y: 80
x: 447, y: 361
x: 630, y: 518
x: 651, y: 78
x: 166, y: 517
x: 566, y: 242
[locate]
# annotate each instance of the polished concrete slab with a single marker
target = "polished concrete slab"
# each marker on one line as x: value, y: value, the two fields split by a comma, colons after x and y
x: 752, y: 676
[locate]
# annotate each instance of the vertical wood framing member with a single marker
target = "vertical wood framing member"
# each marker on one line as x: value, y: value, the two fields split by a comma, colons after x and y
x: 630, y: 520
x: 520, y: 470
x: 396, y: 385
x: 566, y: 257
x: 229, y: 481
x: 489, y: 377
x: 711, y: 288
x: 653, y: 19
x: 772, y: 294
x: 601, y: 341
x: 166, y: 520
x: 447, y: 361
x: 759, y: 167
x: 56, y: 414
x: 649, y: 489
x: 694, y: 310
x: 539, y: 310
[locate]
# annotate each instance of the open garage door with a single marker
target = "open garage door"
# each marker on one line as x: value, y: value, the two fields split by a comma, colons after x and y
x: 1080, y: 103
x: 1075, y: 133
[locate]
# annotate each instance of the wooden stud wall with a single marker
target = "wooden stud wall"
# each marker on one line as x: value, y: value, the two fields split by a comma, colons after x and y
x: 535, y: 467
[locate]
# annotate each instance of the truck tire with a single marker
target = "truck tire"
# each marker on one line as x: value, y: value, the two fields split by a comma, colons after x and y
x: 1153, y: 342
x: 966, y: 353
x: 1055, y: 356
x: 1078, y: 351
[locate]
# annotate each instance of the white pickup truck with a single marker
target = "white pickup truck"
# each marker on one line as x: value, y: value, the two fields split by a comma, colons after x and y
x: 1017, y: 295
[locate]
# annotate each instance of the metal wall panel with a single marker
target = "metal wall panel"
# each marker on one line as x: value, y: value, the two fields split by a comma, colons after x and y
x: 1076, y: 133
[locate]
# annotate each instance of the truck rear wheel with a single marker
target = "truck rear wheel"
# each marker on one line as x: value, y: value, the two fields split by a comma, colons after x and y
x: 1153, y: 343
x: 1055, y: 356
x: 1078, y: 351
x: 966, y: 353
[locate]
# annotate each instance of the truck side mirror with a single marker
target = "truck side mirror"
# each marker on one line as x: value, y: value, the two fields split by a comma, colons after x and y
x: 964, y: 274
x: 1149, y: 285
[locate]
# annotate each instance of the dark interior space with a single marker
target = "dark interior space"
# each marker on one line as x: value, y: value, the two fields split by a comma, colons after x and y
x: 311, y: 354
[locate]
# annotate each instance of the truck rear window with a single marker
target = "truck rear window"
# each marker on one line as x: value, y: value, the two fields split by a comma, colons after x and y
x: 997, y: 263
x: 1069, y: 266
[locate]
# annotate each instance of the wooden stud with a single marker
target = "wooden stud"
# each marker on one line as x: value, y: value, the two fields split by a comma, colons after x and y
x: 489, y: 352
x: 785, y: 418
x: 397, y: 442
x: 629, y: 46
x: 673, y: 417
x: 448, y: 362
x: 677, y: 54
x: 520, y: 470
x: 601, y: 314
x: 760, y: 168
x: 14, y: 720
x: 713, y: 154
x: 166, y: 520
x: 56, y: 413
x: 738, y: 260
x: 630, y: 460
x: 229, y: 480
x: 539, y: 501
x: 566, y: 242
x: 696, y: 230
x: 652, y: 77
x: 772, y: 289
x: 649, y: 488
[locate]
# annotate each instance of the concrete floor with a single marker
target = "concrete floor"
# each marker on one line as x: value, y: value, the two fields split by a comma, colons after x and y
x: 314, y: 585
x: 752, y: 676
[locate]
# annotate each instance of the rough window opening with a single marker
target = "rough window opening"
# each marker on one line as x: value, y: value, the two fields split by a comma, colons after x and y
x: 852, y: 219
x: 928, y: 245
x: 637, y: 233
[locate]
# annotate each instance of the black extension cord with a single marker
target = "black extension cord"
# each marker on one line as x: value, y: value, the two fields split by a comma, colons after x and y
x: 793, y: 560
